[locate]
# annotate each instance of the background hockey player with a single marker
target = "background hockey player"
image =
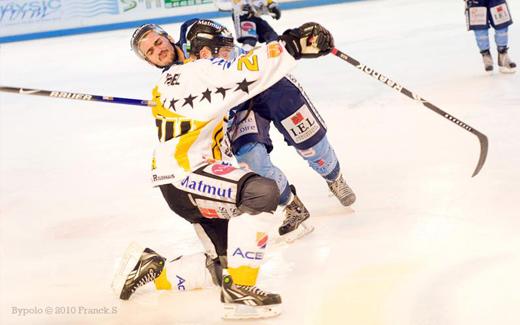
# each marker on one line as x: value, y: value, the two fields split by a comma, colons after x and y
x: 480, y: 15
x: 243, y: 14
x: 191, y: 163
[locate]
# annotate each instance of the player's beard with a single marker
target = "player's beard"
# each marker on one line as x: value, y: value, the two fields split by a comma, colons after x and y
x: 168, y: 57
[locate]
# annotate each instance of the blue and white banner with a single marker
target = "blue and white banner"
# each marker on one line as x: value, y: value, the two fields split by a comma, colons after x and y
x: 22, y: 17
x: 16, y: 12
x: 31, y: 19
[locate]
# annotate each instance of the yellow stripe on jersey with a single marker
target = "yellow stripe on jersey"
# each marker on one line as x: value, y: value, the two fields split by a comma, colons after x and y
x: 185, y: 142
x: 172, y: 125
x: 217, y: 135
x: 159, y: 109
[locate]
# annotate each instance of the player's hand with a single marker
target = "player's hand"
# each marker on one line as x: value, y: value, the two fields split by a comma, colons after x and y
x: 247, y: 11
x: 274, y: 11
x: 311, y: 40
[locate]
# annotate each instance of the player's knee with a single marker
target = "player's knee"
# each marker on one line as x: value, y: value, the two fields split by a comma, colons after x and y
x: 258, y: 194
x: 317, y: 151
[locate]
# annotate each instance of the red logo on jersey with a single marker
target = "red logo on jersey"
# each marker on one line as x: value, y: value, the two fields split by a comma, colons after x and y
x: 261, y: 239
x: 297, y: 118
x: 499, y: 9
x: 247, y: 26
x: 209, y: 213
x: 219, y: 169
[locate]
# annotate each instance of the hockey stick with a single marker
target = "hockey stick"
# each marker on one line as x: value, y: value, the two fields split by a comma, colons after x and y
x: 77, y: 96
x: 482, y: 138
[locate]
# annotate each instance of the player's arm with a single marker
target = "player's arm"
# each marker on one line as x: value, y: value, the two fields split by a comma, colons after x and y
x: 259, y: 69
x: 233, y: 82
x: 229, y: 83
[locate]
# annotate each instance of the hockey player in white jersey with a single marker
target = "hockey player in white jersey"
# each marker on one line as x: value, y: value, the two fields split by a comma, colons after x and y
x: 193, y: 166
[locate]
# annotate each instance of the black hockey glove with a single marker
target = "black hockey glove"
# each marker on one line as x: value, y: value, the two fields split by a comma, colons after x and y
x: 274, y: 11
x: 247, y: 12
x: 310, y: 40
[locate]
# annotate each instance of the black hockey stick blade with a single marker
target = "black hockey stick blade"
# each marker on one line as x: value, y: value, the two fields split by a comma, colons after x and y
x: 482, y: 138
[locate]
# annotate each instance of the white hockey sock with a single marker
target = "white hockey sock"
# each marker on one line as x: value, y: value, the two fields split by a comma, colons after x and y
x: 247, y: 242
x: 185, y: 273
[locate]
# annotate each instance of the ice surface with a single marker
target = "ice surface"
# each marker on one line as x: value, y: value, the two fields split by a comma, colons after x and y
x: 424, y: 244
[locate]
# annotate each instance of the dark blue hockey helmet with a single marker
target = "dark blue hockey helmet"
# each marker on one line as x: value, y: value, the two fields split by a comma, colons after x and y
x: 204, y: 33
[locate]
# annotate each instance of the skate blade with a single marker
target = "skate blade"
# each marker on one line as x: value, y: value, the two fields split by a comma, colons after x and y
x: 239, y: 311
x: 507, y: 70
x: 302, y: 230
x: 126, y: 265
x: 346, y: 202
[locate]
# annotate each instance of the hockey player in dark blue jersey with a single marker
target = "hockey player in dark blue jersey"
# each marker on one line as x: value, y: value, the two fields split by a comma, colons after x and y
x: 289, y: 108
x: 244, y: 13
x: 480, y: 15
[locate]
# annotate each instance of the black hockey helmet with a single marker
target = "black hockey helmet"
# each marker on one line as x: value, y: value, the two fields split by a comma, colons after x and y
x: 204, y: 32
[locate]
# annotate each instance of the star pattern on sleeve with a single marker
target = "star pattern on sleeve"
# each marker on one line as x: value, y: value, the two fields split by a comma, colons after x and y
x: 172, y: 103
x: 189, y: 100
x: 222, y: 91
x: 244, y: 85
x: 206, y: 95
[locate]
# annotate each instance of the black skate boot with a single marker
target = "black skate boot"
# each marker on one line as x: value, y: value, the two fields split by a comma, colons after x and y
x: 295, y: 213
x: 148, y: 267
x: 342, y: 191
x: 488, y: 60
x: 504, y: 62
x: 243, y: 302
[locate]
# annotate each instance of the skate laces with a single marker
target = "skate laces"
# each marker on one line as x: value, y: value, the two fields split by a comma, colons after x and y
x: 504, y: 59
x: 253, y: 289
x: 488, y: 60
x: 295, y: 212
x: 148, y: 277
x: 340, y: 188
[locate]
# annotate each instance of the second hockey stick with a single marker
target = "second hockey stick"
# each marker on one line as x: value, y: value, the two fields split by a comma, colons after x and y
x: 77, y: 96
x: 482, y: 138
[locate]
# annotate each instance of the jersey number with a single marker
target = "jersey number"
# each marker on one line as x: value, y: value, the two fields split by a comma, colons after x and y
x: 250, y: 61
x: 171, y: 128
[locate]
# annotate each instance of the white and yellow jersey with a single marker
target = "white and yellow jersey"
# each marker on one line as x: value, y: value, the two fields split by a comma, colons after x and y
x: 192, y: 103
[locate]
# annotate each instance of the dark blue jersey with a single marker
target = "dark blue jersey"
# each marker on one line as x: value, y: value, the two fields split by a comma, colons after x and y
x: 287, y: 106
x: 480, y: 14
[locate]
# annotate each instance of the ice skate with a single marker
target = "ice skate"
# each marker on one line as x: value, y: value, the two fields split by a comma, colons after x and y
x: 138, y: 267
x: 293, y: 226
x: 244, y: 302
x: 504, y: 62
x: 488, y: 60
x: 342, y: 191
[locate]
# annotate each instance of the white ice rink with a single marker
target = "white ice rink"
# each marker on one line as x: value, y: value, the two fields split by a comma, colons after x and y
x: 424, y: 244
